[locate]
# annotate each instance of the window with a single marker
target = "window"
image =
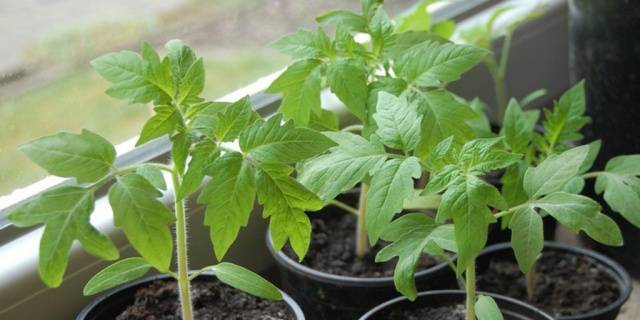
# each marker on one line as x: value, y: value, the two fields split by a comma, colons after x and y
x: 47, y: 84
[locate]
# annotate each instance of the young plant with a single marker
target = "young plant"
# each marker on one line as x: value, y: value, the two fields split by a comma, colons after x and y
x: 407, y: 61
x: 483, y: 34
x: 412, y: 127
x: 198, y: 131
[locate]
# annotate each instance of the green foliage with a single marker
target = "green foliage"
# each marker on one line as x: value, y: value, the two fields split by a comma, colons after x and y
x: 432, y: 63
x: 86, y: 156
x: 65, y: 213
x: 390, y: 186
x: 274, y: 142
x: 229, y: 198
x: 487, y: 309
x: 410, y: 234
x: 345, y: 165
x: 245, y: 280
x: 198, y: 131
x: 121, y: 272
x: 620, y: 183
x: 398, y: 122
x: 143, y: 218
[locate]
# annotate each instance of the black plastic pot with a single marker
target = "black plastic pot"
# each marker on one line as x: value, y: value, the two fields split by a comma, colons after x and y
x: 511, y: 309
x: 504, y: 250
x: 604, y: 51
x: 327, y: 296
x: 114, y: 302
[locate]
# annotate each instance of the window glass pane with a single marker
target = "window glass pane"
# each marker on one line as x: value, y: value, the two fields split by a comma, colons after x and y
x: 47, y: 85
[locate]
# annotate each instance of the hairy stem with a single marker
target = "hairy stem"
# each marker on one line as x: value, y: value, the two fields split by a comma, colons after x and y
x: 181, y: 248
x: 471, y: 290
x: 361, y: 233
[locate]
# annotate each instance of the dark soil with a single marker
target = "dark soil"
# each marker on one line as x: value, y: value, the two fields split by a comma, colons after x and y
x: 455, y: 312
x: 212, y: 300
x: 332, y: 249
x: 565, y: 284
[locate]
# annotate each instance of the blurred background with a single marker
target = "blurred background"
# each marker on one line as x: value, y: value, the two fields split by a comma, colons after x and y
x: 47, y: 84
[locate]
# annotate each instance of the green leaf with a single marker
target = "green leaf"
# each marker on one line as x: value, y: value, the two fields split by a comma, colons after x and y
x: 571, y: 210
x: 620, y: 183
x: 380, y: 28
x: 410, y: 234
x: 304, y: 44
x: 564, y: 122
x: 512, y: 184
x: 85, y: 156
x: 235, y: 118
x: 153, y: 175
x: 554, y: 172
x: 442, y: 179
x: 326, y: 121
x: 480, y: 122
x: 180, y: 150
x: 300, y: 86
x: 518, y: 126
x: 487, y: 309
x: 349, y: 19
x: 159, y: 72
x: 229, y: 197
x: 203, y: 154
x: 485, y: 155
x: 164, y: 121
x: 444, y: 116
x: 128, y: 73
x: 594, y: 149
x: 578, y: 212
x: 245, y: 280
x: 274, y: 142
x: 468, y: 204
x: 345, y: 165
x: 121, y: 272
x: 65, y: 213
x: 432, y: 64
x: 382, y: 84
x: 604, y: 230
x: 181, y: 57
x: 206, y: 119
x: 445, y: 28
x: 398, y: 122
x: 143, y: 218
x: 390, y: 186
x: 192, y: 84
x: 416, y: 18
x: 284, y: 201
x: 398, y: 43
x: 527, y: 237
x: 348, y: 80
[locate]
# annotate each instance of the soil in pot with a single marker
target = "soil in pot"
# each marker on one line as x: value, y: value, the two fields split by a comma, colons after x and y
x: 453, y: 312
x: 566, y: 284
x: 212, y: 300
x: 332, y: 249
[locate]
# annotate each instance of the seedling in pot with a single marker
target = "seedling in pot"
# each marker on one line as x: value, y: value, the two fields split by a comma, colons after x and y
x: 413, y: 127
x: 385, y: 73
x: 198, y: 131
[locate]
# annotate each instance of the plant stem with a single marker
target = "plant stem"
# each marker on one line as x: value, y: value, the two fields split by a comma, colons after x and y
x: 471, y: 290
x: 361, y: 232
x: 181, y: 248
x: 590, y: 175
x: 353, y: 127
x: 344, y: 207
x: 531, y: 283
